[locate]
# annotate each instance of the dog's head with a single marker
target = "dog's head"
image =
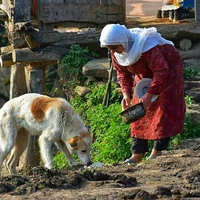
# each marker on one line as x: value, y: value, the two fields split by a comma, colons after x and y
x: 82, y: 145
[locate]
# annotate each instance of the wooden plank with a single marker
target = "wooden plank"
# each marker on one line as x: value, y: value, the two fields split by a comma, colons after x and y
x: 49, y: 54
x: 22, y: 10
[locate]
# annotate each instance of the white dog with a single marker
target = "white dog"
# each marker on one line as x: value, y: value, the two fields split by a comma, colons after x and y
x: 52, y: 119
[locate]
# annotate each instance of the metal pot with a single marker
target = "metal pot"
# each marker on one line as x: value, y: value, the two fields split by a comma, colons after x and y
x: 133, y: 113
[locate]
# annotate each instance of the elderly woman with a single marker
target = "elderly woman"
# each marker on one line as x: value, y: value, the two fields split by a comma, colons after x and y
x: 143, y: 53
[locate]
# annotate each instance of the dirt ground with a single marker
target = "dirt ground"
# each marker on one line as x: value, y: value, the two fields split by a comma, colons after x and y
x: 174, y: 175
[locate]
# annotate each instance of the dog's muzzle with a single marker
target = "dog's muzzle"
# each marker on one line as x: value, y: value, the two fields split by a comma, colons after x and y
x: 88, y: 163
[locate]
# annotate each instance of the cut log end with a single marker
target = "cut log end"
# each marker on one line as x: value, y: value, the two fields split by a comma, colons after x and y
x: 185, y: 44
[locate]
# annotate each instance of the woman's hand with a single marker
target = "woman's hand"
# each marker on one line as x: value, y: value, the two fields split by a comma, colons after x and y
x: 126, y: 101
x: 146, y: 100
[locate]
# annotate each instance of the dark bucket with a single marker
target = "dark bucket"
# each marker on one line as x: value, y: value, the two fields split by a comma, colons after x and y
x: 133, y: 113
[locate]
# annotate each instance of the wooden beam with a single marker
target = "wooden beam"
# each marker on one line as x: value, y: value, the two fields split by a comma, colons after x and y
x: 6, y: 60
x: 48, y: 54
x: 6, y: 49
x: 54, y: 38
x: 6, y: 56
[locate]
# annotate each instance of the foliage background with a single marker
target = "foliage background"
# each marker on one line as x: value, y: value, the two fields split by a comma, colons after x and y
x: 112, y: 136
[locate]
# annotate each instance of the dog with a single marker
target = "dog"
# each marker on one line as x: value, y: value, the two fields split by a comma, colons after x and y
x: 52, y: 119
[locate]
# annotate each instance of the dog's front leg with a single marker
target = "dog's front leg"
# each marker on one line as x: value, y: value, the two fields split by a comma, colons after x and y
x: 61, y: 145
x: 45, y: 151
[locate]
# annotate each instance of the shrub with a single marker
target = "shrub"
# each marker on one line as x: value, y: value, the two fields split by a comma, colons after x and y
x: 112, y: 135
x: 70, y: 68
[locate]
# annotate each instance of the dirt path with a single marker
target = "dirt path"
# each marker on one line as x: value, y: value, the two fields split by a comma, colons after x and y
x: 174, y: 175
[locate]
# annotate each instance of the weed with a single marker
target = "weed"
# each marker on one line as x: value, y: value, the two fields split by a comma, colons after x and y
x: 190, y: 73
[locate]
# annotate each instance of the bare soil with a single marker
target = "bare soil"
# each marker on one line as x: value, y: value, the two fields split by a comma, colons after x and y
x: 174, y: 175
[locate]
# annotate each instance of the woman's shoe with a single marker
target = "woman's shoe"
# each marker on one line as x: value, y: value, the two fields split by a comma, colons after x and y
x: 129, y: 161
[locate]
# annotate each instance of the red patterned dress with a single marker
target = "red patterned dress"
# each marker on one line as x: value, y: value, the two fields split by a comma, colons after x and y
x: 165, y: 116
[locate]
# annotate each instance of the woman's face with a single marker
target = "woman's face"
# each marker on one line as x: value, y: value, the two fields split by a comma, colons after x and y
x: 116, y: 48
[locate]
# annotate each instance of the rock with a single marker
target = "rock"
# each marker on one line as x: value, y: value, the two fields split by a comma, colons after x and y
x: 82, y: 91
x: 99, y: 68
x: 96, y: 68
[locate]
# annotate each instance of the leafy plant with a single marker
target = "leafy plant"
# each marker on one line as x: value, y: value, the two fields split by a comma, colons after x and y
x: 189, y: 100
x: 112, y: 135
x: 190, y: 73
x: 70, y: 68
x: 60, y: 161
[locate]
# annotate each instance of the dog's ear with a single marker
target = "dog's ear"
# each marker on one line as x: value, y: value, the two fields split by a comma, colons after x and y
x: 74, y: 142
x: 92, y: 134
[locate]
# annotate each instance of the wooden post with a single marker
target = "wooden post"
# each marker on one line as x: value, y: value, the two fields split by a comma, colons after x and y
x: 197, y: 10
x: 17, y: 81
x: 17, y: 88
x: 35, y: 84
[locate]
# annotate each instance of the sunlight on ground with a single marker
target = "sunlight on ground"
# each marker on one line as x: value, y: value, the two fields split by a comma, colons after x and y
x: 142, y: 8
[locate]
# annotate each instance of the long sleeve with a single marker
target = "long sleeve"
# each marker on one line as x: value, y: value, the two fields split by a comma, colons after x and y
x: 124, y: 76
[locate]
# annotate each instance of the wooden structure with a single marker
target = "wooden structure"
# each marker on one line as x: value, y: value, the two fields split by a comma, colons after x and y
x: 197, y: 10
x: 36, y: 42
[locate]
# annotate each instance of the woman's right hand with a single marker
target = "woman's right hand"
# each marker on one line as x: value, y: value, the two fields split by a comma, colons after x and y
x: 126, y: 101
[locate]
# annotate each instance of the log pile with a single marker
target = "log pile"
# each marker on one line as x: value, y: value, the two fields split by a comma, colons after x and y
x: 54, y: 44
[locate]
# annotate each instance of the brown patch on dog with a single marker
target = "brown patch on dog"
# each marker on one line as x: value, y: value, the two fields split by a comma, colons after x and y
x: 73, y: 142
x: 40, y: 105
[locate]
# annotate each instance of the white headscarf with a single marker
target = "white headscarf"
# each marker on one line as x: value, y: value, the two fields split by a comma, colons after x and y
x: 135, y: 41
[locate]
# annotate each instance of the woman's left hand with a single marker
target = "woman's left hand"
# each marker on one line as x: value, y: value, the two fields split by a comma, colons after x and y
x: 146, y: 100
